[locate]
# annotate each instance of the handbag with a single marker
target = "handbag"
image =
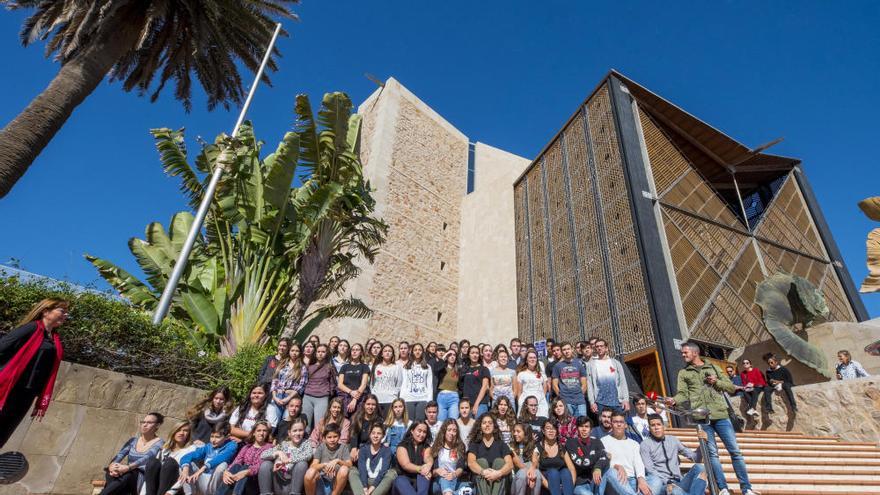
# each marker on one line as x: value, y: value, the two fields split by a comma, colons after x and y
x: 739, y: 423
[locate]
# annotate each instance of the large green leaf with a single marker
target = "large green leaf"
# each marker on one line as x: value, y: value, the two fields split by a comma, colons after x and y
x: 202, y: 311
x: 128, y: 286
x: 172, y: 154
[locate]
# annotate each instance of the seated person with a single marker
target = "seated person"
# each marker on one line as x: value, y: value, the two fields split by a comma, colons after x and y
x: 660, y: 455
x: 294, y: 411
x: 589, y: 458
x: 375, y: 474
x: 527, y: 478
x: 555, y: 464
x: 335, y: 415
x: 603, y: 429
x: 246, y: 466
x: 208, y: 462
x: 284, y: 466
x: 780, y: 379
x: 129, y: 477
x: 162, y: 473
x: 489, y: 459
x: 413, y: 461
x: 529, y: 415
x: 448, y: 458
x: 330, y: 465
x: 627, y: 473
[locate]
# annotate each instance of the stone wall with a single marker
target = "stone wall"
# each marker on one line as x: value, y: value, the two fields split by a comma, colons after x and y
x: 92, y: 414
x: 849, y: 409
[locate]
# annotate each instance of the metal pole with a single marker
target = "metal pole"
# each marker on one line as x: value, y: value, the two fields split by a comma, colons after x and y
x: 707, y: 461
x: 180, y: 265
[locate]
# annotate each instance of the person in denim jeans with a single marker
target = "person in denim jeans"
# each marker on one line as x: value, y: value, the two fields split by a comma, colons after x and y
x: 446, y: 372
x: 660, y: 455
x: 570, y: 381
x: 702, y: 384
x: 449, y: 459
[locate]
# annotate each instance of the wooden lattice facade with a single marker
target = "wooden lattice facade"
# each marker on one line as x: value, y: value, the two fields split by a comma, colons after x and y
x: 643, y: 225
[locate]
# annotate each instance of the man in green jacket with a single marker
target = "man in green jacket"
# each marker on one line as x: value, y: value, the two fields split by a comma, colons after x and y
x: 703, y: 385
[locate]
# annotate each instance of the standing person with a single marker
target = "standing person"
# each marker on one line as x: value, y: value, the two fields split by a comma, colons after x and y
x: 267, y: 370
x: 515, y: 357
x: 431, y: 353
x: 414, y: 462
x: 330, y: 465
x: 251, y: 411
x: 128, y: 478
x: 308, y: 352
x: 464, y: 346
x: 332, y: 345
x: 660, y: 453
x: 465, y: 421
x: 208, y: 413
x: 375, y: 474
x: 362, y: 422
x: 503, y: 413
x: 566, y: 424
x: 474, y: 382
x: 387, y: 378
x: 589, y: 458
x: 570, y: 381
x: 29, y: 359
x: 321, y: 385
x: 702, y: 385
x: 527, y: 478
x: 753, y: 384
x: 284, y: 466
x: 431, y: 411
x: 847, y: 369
x: 396, y: 424
x: 417, y: 384
x: 447, y: 386
x: 607, y: 386
x: 402, y: 352
x: 554, y: 462
x: 212, y: 459
x: 246, y: 466
x: 334, y: 416
x: 289, y: 380
x: 627, y: 475
x: 353, y: 381
x: 487, y: 356
x: 502, y: 378
x: 489, y: 459
x: 532, y: 382
x: 340, y: 357
x: 162, y: 473
x: 374, y: 353
x: 449, y: 459
x: 780, y: 379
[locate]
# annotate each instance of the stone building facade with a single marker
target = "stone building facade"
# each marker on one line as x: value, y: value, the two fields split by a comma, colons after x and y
x: 446, y: 270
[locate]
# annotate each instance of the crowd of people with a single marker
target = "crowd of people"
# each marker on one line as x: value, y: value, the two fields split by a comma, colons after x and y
x: 375, y: 419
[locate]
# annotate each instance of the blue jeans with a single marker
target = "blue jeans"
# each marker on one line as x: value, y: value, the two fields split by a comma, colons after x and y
x: 559, y: 481
x: 691, y: 484
x: 482, y: 408
x: 447, y: 404
x: 323, y: 486
x: 724, y: 429
x: 443, y: 485
x: 577, y: 410
x: 585, y: 489
x: 239, y: 486
x: 629, y: 487
x: 404, y: 486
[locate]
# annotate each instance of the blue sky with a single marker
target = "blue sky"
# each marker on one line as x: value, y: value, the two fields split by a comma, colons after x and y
x: 505, y: 73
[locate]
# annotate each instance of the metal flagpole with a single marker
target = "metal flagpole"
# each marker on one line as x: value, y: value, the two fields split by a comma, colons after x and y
x: 171, y: 286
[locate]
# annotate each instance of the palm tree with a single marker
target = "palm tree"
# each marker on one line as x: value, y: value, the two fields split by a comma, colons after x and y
x: 136, y: 42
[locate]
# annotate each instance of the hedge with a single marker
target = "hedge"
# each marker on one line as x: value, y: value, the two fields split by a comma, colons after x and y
x: 110, y: 334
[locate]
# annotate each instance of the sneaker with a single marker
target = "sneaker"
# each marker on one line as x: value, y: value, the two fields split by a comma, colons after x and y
x: 752, y: 412
x: 724, y: 491
x: 750, y: 492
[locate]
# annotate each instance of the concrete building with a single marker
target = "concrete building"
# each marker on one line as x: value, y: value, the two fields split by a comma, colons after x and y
x: 447, y: 270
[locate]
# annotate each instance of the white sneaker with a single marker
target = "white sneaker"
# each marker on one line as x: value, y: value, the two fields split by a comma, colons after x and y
x: 725, y: 492
x: 750, y: 492
x: 752, y: 412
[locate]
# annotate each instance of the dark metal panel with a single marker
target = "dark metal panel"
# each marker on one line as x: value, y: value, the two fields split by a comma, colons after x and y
x: 525, y: 184
x: 661, y: 299
x: 831, y: 246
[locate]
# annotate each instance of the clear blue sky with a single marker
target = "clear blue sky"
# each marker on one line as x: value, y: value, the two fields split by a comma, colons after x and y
x: 505, y: 73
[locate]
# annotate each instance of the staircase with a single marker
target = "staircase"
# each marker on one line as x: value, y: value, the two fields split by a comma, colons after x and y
x: 783, y: 463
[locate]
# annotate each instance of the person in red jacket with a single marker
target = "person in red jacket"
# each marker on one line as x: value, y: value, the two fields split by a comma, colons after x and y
x: 753, y: 383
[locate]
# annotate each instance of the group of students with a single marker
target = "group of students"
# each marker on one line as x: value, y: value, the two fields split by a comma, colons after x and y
x: 372, y: 419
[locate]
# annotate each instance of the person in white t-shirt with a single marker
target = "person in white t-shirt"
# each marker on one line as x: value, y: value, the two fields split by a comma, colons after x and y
x: 627, y: 473
x: 607, y: 382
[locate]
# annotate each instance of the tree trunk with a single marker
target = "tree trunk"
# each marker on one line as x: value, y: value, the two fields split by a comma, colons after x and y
x: 23, y: 139
x: 312, y: 276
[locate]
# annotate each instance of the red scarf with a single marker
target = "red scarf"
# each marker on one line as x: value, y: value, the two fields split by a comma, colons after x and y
x: 10, y: 373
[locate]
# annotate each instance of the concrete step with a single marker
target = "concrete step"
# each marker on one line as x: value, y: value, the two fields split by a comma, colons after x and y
x: 811, y: 488
x: 868, y: 450
x: 799, y: 467
x: 786, y: 441
x: 805, y: 461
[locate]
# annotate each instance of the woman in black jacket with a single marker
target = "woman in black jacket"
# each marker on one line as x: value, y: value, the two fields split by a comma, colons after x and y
x: 29, y: 359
